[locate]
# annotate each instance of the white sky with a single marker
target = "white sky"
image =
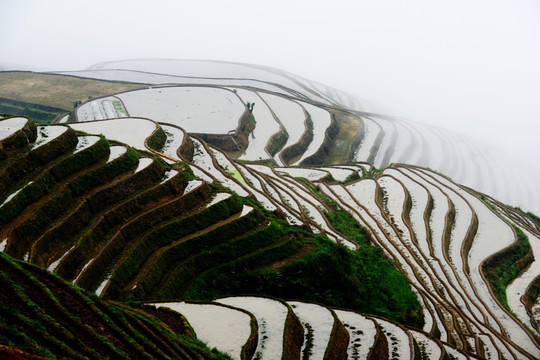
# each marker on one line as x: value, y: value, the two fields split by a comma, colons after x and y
x: 468, y: 65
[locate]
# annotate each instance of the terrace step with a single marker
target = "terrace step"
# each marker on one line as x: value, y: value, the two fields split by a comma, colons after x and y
x: 77, y: 185
x: 325, y: 337
x: 177, y: 266
x: 131, y: 215
x: 88, y: 208
x: 233, y: 331
x: 17, y: 133
x: 279, y: 330
x: 167, y: 233
x: 16, y: 174
x: 44, y: 315
x: 89, y: 233
x: 121, y: 227
x: 60, y: 198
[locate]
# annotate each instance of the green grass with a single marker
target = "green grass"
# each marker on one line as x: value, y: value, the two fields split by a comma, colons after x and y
x: 80, y: 325
x: 39, y: 113
x: 329, y: 274
x: 503, y: 267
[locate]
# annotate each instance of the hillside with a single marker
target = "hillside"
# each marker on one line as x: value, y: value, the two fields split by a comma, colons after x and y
x: 44, y: 315
x: 249, y: 201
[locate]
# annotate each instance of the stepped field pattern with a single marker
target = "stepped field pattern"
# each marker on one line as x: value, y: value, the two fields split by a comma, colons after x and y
x: 228, y: 202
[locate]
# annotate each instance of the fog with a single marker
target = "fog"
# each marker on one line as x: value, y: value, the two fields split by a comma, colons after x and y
x: 469, y: 66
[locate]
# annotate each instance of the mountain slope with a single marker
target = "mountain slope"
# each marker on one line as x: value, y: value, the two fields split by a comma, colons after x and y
x: 131, y: 205
x: 42, y: 314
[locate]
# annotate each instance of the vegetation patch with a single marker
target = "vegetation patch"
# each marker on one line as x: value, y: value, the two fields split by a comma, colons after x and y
x: 43, y: 315
x: 41, y: 114
x: 157, y: 140
x: 277, y: 141
x: 19, y: 140
x: 294, y: 152
x: 504, y: 266
x: 57, y: 91
x: 338, y: 342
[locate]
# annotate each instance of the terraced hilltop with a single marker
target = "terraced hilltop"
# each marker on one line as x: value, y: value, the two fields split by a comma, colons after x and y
x: 249, y: 203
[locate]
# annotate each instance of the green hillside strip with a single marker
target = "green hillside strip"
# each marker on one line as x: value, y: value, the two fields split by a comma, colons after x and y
x: 157, y: 140
x: 331, y: 274
x: 39, y: 113
x: 18, y: 140
x: 81, y: 159
x: 185, y: 273
x: 22, y: 161
x: 58, y: 204
x: 294, y: 152
x: 43, y: 315
x: 61, y: 192
x: 167, y: 234
x: 501, y: 268
x: 80, y: 213
x: 169, y: 268
x: 322, y: 155
x: 277, y: 141
x: 59, y: 91
x: 87, y: 245
x: 118, y: 231
x: 31, y: 162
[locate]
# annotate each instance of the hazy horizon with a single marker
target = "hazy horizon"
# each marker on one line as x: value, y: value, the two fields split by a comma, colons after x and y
x: 471, y: 67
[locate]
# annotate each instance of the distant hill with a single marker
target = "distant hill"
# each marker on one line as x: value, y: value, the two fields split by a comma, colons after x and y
x: 252, y: 206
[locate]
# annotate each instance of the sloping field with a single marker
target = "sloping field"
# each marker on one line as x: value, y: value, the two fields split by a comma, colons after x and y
x: 56, y: 90
x: 378, y: 139
x: 44, y: 315
x: 127, y: 225
x: 373, y: 262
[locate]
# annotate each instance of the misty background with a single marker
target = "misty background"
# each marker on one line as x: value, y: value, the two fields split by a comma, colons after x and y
x: 469, y: 66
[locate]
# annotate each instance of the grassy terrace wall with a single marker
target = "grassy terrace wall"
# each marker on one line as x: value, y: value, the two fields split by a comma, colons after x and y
x: 61, y: 144
x: 186, y: 149
x: 501, y: 268
x: 87, y: 208
x: 22, y: 159
x: 182, y: 265
x: 43, y: 315
x: 89, y: 242
x: 292, y: 153
x: 18, y: 140
x: 57, y: 205
x: 115, y: 248
x: 174, y: 272
x: 322, y: 154
x: 174, y: 320
x: 339, y: 341
x: 39, y: 113
x: 236, y: 142
x: 232, y: 278
x: 30, y: 161
x: 157, y: 139
x: 293, y: 336
x: 165, y: 235
x: 72, y: 193
x: 277, y: 141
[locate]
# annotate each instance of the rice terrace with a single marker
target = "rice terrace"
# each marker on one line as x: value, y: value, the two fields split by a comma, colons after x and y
x: 181, y: 209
